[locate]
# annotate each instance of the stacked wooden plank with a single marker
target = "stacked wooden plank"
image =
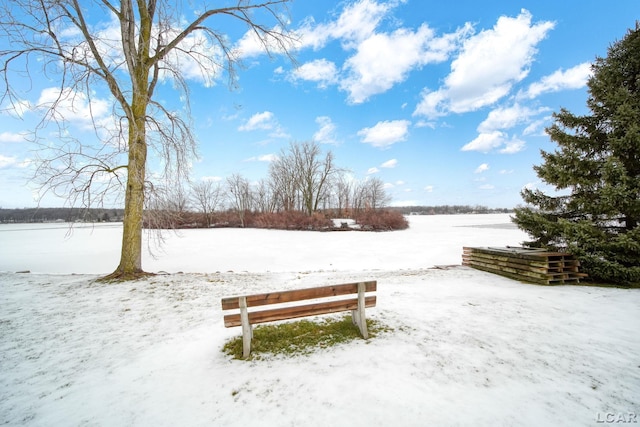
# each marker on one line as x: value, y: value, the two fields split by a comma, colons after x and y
x: 525, y: 264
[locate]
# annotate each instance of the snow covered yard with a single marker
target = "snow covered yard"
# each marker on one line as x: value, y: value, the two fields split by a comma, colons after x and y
x: 467, y: 347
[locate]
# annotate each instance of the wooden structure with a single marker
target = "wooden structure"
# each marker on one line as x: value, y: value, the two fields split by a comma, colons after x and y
x: 285, y: 305
x: 528, y: 265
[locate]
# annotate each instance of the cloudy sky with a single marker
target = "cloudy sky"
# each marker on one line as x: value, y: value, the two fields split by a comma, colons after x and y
x: 446, y: 102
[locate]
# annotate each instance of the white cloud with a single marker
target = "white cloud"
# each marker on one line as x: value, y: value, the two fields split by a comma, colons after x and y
x: 267, y: 158
x: 513, y: 146
x: 536, y: 127
x: 356, y: 22
x: 265, y: 121
x: 482, y: 168
x: 372, y: 170
x: 573, y: 78
x: 390, y: 164
x: 485, y: 142
x: 263, y: 158
x: 425, y: 124
x: 13, y: 137
x: 506, y: 118
x: 429, y: 188
x: 259, y: 121
x: 386, y: 133
x: 197, y: 59
x: 381, y: 59
x: 320, y: 71
x: 6, y: 162
x: 488, y: 66
x: 388, y: 186
x: 326, y: 133
x: 76, y: 107
x: 486, y: 187
x: 490, y: 130
x: 16, y: 108
x: 385, y: 59
x: 252, y: 45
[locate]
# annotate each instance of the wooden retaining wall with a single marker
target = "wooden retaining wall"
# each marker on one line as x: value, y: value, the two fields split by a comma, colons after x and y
x: 528, y: 265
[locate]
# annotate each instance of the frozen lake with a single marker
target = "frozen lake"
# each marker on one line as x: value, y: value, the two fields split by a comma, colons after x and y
x: 86, y: 248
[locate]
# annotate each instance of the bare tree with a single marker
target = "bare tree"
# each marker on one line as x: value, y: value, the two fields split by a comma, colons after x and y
x: 206, y: 196
x: 342, y: 192
x: 177, y: 199
x: 284, y: 182
x: 374, y: 194
x: 264, y: 200
x: 151, y: 40
x: 240, y: 195
x: 358, y: 197
x: 302, y: 174
x: 161, y: 210
x: 313, y: 171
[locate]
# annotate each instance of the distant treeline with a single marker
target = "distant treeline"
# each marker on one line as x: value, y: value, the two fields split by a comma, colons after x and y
x: 115, y: 215
x: 449, y: 210
x: 60, y: 215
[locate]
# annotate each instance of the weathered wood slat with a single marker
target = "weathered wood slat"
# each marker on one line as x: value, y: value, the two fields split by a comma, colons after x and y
x: 542, y: 263
x: 257, y: 300
x: 497, y: 268
x: 506, y: 262
x: 523, y: 264
x: 284, y: 313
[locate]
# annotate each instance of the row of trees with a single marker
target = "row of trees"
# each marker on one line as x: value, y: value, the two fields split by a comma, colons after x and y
x: 35, y: 215
x: 301, y: 179
x: 450, y: 210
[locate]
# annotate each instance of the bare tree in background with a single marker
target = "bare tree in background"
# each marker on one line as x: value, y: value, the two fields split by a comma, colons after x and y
x: 240, y: 195
x: 302, y: 176
x: 177, y: 199
x: 284, y: 182
x: 343, y: 188
x: 314, y: 173
x: 152, y: 39
x: 206, y: 196
x: 374, y: 194
x: 264, y: 200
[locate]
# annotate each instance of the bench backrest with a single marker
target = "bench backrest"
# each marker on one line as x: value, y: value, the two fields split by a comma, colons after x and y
x: 289, y: 310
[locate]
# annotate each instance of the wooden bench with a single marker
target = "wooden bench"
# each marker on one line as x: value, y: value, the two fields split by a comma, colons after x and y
x: 326, y: 299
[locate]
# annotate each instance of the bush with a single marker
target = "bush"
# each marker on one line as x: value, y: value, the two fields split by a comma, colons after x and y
x: 381, y: 220
x: 369, y: 220
x: 290, y: 220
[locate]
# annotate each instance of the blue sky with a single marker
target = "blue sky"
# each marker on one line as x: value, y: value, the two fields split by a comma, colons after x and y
x: 446, y: 102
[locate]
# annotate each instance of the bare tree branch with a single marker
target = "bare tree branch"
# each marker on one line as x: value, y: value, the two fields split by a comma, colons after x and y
x: 62, y: 40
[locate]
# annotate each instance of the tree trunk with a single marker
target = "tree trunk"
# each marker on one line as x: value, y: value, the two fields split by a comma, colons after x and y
x: 130, y: 266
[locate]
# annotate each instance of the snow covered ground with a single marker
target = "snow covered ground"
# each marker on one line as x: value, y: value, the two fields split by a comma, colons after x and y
x: 467, y: 347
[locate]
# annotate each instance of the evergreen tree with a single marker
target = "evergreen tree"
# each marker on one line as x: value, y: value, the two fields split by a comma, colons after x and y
x: 595, y: 212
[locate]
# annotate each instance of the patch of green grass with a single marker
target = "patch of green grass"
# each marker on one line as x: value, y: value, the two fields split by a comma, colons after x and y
x: 301, y: 337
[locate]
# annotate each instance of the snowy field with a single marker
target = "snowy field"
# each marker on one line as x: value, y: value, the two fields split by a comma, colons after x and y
x: 467, y: 348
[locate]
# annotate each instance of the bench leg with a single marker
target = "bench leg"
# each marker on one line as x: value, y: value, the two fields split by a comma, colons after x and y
x: 247, y: 329
x: 358, y: 316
